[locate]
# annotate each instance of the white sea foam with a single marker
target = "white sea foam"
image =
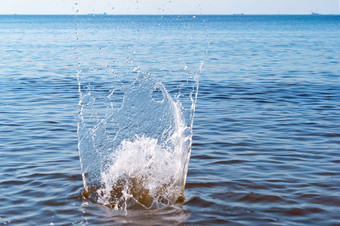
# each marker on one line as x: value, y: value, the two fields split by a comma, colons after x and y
x: 145, y: 173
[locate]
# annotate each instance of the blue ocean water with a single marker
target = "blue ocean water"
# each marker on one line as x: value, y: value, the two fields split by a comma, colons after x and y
x: 266, y: 131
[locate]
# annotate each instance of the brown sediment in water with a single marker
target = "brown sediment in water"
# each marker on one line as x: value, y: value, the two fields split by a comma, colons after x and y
x: 138, y: 196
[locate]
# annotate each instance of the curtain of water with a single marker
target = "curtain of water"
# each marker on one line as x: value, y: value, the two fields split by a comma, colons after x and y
x: 138, y: 84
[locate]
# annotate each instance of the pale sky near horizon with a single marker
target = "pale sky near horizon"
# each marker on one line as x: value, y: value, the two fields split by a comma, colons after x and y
x: 170, y: 6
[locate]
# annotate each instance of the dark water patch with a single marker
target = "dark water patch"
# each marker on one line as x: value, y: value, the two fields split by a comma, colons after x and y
x: 296, y: 212
x: 208, y: 184
x: 204, y: 157
x: 229, y: 162
x: 200, y: 202
x: 331, y: 135
x: 255, y: 198
x: 13, y: 182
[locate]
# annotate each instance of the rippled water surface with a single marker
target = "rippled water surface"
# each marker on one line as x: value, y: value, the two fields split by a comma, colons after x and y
x: 266, y: 145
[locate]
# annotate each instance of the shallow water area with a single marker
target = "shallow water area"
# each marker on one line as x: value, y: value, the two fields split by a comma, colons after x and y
x: 174, y: 214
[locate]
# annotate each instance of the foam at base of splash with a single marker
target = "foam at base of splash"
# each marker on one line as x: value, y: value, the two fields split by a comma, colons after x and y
x: 142, y: 173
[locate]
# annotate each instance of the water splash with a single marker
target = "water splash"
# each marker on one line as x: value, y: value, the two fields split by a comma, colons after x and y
x: 134, y: 126
x: 145, y: 162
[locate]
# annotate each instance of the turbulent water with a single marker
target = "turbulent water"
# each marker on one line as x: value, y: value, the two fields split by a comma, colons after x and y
x: 137, y: 153
x: 134, y: 128
x: 265, y: 144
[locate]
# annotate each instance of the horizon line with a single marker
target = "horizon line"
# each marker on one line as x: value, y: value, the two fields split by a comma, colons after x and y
x: 170, y: 14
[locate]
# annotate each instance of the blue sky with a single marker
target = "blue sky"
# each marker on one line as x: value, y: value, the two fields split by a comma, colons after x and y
x: 170, y: 6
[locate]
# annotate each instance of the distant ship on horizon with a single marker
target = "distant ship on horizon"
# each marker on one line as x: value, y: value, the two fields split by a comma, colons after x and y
x: 314, y: 13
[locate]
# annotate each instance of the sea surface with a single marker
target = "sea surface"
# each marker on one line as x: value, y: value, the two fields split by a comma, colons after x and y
x: 266, y: 144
